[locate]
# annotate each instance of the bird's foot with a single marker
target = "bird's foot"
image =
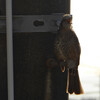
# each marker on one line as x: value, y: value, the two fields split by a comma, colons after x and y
x: 51, y: 63
x: 62, y: 65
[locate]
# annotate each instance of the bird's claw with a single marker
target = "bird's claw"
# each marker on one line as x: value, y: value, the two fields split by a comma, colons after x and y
x: 63, y: 68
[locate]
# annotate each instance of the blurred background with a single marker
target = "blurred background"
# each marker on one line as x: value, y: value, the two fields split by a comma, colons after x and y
x: 86, y: 24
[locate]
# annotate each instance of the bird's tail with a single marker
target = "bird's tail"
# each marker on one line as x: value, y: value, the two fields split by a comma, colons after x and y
x: 73, y: 82
x: 70, y: 82
x: 77, y: 84
x: 67, y: 87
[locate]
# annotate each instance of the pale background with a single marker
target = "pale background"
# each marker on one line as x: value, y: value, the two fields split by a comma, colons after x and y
x: 86, y: 24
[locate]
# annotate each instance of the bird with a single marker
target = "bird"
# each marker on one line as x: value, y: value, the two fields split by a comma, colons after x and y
x: 67, y: 50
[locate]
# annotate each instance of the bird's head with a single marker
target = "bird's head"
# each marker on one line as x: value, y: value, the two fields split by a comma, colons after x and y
x: 66, y: 21
x: 67, y: 18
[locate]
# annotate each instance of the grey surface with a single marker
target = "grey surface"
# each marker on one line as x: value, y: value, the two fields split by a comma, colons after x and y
x: 26, y: 23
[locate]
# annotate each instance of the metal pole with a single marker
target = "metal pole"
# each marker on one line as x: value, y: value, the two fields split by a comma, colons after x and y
x: 9, y: 49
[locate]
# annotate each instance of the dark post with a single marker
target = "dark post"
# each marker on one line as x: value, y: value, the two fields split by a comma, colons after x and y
x: 33, y: 7
x: 31, y: 51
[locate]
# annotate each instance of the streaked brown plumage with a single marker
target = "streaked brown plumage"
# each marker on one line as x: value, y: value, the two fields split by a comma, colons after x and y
x: 67, y: 51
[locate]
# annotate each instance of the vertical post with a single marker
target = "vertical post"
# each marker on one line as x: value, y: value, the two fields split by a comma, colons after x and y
x: 9, y: 49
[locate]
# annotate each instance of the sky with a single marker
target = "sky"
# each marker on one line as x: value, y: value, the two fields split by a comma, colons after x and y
x: 86, y: 24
